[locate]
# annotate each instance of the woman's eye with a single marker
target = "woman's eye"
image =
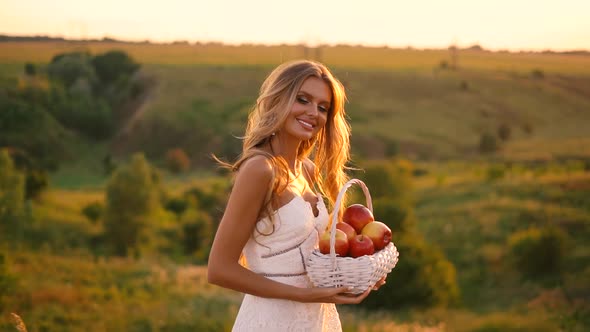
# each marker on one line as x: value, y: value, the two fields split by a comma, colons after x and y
x: 323, y: 109
x: 302, y: 100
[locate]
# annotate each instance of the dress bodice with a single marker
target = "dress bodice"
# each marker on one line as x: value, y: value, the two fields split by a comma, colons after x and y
x: 280, y: 245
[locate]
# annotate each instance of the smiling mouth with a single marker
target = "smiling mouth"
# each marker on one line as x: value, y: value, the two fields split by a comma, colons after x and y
x: 306, y: 125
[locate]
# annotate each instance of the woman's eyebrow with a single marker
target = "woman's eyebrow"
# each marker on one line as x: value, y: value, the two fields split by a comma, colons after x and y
x: 307, y: 94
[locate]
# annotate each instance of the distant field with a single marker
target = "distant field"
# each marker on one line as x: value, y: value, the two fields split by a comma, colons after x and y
x: 398, y: 100
x: 337, y: 56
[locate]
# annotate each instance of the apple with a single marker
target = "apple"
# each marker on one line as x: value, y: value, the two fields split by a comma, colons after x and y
x: 340, y: 245
x: 357, y: 216
x: 379, y: 233
x: 347, y: 229
x: 361, y: 245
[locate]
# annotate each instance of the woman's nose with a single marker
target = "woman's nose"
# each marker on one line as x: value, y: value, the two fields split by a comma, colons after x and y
x: 312, y: 109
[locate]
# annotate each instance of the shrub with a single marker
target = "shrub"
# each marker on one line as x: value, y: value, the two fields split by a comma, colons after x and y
x: 422, y: 278
x: 93, y: 211
x: 527, y: 128
x: 131, y: 197
x: 504, y: 132
x: 388, y: 179
x: 197, y: 230
x: 111, y: 65
x: 70, y: 67
x: 176, y: 205
x: 488, y: 143
x: 464, y: 85
x: 30, y: 69
x: 396, y: 215
x: 495, y: 172
x: 7, y: 281
x: 177, y: 161
x: 537, y: 74
x: 537, y: 252
x: 12, y: 190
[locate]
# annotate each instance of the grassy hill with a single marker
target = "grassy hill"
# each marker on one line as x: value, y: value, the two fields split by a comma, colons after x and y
x: 399, y: 99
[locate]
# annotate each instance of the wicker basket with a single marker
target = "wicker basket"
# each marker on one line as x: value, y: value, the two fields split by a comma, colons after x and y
x: 358, y: 273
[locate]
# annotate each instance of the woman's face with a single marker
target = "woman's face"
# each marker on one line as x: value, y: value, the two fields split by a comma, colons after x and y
x: 309, y: 112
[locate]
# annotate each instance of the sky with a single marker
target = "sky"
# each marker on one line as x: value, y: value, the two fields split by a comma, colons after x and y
x: 495, y: 25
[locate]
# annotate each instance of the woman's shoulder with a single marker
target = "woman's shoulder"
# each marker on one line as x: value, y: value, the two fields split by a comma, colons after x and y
x: 258, y: 166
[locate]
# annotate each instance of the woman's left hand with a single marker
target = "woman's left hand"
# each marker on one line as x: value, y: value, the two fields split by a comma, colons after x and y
x: 379, y: 283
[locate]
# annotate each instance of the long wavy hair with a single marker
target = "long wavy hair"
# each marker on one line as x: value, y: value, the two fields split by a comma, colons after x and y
x: 329, y: 149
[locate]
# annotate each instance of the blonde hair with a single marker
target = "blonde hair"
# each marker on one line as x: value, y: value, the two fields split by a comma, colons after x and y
x: 330, y: 147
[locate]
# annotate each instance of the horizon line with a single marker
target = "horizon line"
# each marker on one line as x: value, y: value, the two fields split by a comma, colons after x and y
x: 107, y: 38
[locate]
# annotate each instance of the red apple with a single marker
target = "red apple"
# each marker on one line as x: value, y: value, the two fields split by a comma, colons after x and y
x: 357, y: 216
x: 361, y: 245
x: 379, y: 233
x: 340, y: 245
x: 347, y: 229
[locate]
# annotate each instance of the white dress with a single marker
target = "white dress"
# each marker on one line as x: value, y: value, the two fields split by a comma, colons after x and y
x: 281, y: 257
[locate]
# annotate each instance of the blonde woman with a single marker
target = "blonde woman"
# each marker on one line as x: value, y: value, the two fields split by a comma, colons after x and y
x: 294, y: 153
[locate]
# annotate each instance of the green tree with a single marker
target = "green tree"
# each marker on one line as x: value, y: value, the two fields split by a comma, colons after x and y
x: 112, y: 65
x: 30, y: 69
x: 70, y: 67
x: 391, y: 179
x: 197, y: 229
x: 538, y: 251
x: 488, y: 143
x: 12, y: 191
x: 423, y: 277
x: 131, y: 198
x: 7, y: 281
x: 504, y: 131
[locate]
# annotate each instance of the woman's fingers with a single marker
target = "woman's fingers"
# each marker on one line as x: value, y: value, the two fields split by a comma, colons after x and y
x: 379, y: 283
x: 352, y: 298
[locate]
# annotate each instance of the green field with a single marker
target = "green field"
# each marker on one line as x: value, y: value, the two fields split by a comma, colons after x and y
x: 402, y: 104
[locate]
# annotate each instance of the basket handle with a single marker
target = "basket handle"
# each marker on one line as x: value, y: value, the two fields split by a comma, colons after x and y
x: 337, y: 207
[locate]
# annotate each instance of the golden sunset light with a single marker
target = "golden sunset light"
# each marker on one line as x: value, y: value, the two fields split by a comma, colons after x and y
x: 503, y: 24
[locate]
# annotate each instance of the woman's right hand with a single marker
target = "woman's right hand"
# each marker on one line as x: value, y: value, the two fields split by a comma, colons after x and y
x: 333, y: 295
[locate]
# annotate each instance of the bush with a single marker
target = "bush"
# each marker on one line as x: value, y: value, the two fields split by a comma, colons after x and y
x: 131, y: 197
x: 422, y: 278
x: 30, y: 69
x: 197, y: 231
x: 29, y: 127
x: 93, y: 211
x: 488, y: 143
x: 495, y: 172
x: 177, y: 161
x: 176, y: 205
x: 504, y: 132
x: 112, y: 65
x: 396, y: 215
x: 464, y: 85
x: 70, y: 67
x: 388, y: 179
x: 7, y: 282
x: 537, y: 252
x: 527, y: 128
x: 537, y: 74
x: 12, y: 191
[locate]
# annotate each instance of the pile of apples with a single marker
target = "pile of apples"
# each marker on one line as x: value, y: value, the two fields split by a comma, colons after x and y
x: 358, y: 234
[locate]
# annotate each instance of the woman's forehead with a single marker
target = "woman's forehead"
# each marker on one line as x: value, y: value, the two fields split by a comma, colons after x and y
x: 317, y: 88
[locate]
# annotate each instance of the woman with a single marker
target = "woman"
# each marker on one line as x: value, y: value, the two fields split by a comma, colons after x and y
x: 274, y: 213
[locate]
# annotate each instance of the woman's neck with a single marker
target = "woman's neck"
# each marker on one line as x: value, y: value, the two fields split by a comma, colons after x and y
x: 288, y: 150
